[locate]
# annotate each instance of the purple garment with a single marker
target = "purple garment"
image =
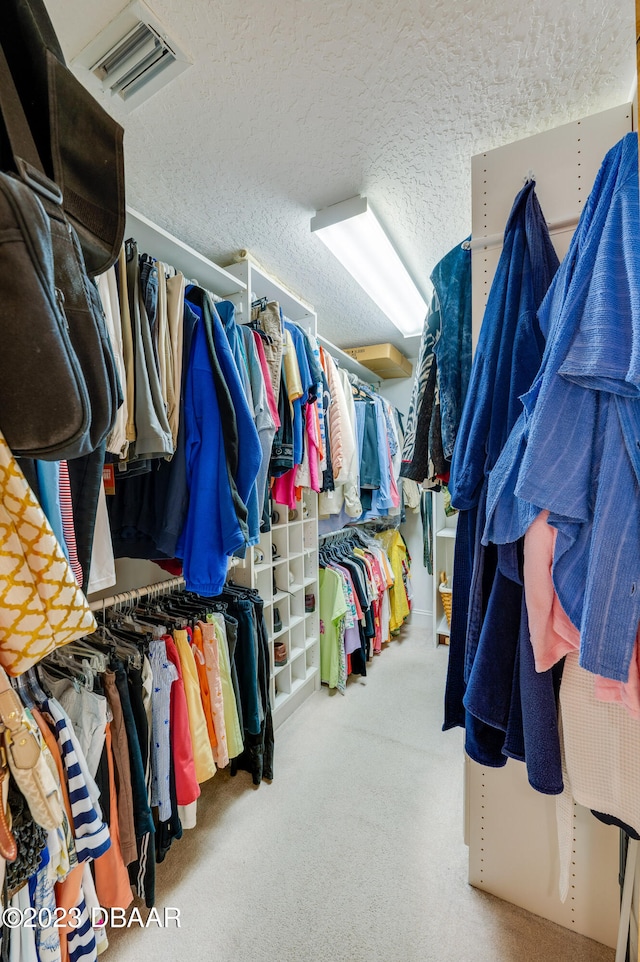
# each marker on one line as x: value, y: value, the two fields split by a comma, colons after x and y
x: 352, y: 641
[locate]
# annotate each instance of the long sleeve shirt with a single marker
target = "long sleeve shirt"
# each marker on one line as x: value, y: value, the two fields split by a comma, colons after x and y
x: 213, y: 530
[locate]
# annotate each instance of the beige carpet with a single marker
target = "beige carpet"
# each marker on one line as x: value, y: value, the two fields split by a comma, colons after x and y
x: 354, y: 852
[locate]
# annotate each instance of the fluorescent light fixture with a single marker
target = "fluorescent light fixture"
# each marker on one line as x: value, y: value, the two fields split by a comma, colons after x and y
x: 353, y: 235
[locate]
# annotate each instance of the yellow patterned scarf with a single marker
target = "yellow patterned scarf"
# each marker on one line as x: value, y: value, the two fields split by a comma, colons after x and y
x: 41, y: 605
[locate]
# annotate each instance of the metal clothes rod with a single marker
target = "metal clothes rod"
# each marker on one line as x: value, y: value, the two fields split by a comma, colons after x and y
x: 160, y: 586
x: 373, y: 524
x: 338, y: 535
x: 494, y: 240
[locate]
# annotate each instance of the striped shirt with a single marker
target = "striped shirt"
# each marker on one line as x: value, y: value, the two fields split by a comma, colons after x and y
x: 68, y: 527
x: 81, y: 939
x: 90, y: 832
x: 91, y: 835
x: 426, y: 358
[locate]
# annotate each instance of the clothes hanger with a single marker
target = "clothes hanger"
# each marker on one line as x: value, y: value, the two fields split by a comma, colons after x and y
x: 114, y: 631
x: 61, y: 665
x: 102, y: 641
x: 126, y: 643
x: 197, y: 602
x: 96, y: 659
x: 155, y: 614
x: 238, y: 591
x: 184, y: 606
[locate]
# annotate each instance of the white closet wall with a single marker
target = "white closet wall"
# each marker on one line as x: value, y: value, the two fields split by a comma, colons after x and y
x: 511, y: 830
x: 564, y: 163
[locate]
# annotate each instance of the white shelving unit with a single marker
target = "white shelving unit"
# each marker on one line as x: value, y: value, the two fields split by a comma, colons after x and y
x: 258, y: 283
x: 289, y: 570
x: 288, y: 573
x: 444, y: 537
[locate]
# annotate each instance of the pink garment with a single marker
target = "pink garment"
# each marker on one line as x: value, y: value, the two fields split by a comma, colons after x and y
x: 552, y: 634
x: 68, y: 527
x: 626, y: 693
x: 378, y: 576
x: 377, y: 621
x: 359, y: 611
x: 313, y: 447
x: 315, y: 409
x: 395, y: 496
x: 272, y: 401
x: 378, y: 582
x: 284, y: 489
x: 187, y: 787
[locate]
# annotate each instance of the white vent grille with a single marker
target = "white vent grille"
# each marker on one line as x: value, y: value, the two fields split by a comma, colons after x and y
x: 134, y: 57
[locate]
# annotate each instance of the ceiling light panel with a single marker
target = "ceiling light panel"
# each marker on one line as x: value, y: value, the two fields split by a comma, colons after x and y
x: 354, y: 236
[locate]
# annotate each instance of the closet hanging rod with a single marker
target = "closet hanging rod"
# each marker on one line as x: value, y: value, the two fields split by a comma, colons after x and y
x: 372, y: 524
x: 160, y: 586
x: 494, y: 240
x: 340, y: 534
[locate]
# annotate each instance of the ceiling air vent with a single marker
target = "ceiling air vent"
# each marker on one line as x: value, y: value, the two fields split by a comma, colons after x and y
x: 134, y: 56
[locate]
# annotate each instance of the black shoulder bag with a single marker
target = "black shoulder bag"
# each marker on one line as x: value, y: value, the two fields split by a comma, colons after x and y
x: 59, y: 390
x: 79, y: 144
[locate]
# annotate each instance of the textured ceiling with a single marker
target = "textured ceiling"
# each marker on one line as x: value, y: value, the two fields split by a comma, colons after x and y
x: 292, y: 105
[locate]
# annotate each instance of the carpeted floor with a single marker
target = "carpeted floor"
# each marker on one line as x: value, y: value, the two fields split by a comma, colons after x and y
x: 354, y: 852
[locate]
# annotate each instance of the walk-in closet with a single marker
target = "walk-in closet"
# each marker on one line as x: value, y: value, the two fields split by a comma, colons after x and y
x: 319, y: 481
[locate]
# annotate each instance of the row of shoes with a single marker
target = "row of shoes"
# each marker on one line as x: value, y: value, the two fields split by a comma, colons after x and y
x: 309, y: 607
x: 280, y: 654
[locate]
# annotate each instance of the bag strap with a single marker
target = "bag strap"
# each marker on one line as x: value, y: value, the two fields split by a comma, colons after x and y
x: 34, y: 25
x: 25, y: 152
x: 11, y: 707
x: 20, y: 744
x: 8, y: 845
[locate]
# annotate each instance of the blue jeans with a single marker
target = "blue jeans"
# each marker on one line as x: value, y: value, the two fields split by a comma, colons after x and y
x: 149, y: 285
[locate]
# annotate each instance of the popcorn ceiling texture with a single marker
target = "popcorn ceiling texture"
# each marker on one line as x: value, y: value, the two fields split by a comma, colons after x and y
x: 293, y: 105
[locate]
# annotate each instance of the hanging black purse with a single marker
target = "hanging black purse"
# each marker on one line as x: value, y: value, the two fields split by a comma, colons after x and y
x: 30, y: 837
x: 59, y: 391
x: 79, y: 144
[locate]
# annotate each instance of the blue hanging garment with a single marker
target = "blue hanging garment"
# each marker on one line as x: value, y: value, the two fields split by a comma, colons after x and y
x: 582, y: 412
x: 485, y: 667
